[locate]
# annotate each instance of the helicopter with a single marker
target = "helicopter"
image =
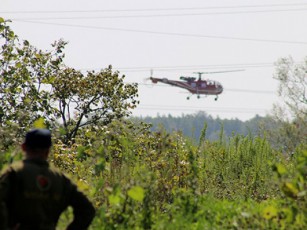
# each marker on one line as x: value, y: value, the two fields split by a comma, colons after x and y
x: 195, y: 86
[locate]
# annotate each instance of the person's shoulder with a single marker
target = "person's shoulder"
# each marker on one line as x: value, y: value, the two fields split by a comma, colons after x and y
x: 11, y: 170
x: 56, y: 171
x: 15, y: 166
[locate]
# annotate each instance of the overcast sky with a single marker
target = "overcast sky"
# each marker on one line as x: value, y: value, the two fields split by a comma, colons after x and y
x: 174, y: 38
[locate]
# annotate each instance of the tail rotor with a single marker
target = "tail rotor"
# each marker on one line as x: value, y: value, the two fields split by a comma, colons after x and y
x: 148, y: 79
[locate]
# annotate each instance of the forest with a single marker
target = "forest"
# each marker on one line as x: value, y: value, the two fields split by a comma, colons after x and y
x: 192, y: 172
x: 191, y: 125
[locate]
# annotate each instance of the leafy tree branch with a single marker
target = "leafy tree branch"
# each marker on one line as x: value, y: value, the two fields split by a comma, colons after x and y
x: 36, y: 83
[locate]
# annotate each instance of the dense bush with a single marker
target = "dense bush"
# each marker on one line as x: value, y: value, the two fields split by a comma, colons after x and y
x: 140, y: 179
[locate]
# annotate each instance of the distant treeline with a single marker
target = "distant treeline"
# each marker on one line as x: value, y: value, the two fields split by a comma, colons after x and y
x: 192, y: 125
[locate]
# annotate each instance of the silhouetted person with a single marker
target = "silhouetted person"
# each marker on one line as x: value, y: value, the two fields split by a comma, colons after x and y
x: 33, y: 194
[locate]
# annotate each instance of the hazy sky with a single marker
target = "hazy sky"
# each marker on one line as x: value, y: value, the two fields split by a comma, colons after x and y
x: 174, y: 38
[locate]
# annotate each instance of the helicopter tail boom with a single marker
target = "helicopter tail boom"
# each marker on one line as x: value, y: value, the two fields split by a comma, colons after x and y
x: 154, y: 80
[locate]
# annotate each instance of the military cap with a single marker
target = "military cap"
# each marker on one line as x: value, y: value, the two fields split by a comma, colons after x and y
x: 38, y: 138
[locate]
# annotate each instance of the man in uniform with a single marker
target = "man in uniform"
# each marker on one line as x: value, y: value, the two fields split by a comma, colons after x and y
x: 33, y: 194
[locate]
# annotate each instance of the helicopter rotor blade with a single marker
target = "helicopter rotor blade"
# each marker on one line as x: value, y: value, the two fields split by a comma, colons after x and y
x: 151, y: 72
x: 147, y: 82
x: 225, y: 71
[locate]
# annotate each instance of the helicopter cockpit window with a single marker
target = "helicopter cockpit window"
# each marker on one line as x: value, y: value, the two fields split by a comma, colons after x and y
x: 193, y: 84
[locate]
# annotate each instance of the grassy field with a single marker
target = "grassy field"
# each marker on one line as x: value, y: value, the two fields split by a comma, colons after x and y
x: 145, y: 180
x: 139, y: 179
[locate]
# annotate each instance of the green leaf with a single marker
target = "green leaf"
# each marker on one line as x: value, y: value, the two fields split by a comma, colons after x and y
x: 39, y: 123
x: 136, y: 193
x: 1, y: 20
x: 281, y: 169
x: 18, y: 65
x: 290, y: 190
x: 269, y: 212
x: 114, y: 199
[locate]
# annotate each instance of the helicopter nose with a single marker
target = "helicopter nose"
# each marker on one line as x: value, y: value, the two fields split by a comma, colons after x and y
x: 221, y: 88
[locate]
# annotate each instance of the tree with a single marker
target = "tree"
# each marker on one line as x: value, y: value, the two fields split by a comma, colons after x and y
x: 292, y: 86
x: 291, y: 115
x: 37, y: 84
x: 91, y: 99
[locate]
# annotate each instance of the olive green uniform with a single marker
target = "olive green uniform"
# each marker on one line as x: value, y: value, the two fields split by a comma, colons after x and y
x: 33, y: 195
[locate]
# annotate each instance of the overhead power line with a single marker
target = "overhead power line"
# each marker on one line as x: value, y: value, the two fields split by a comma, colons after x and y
x: 152, y: 9
x: 168, y: 33
x: 191, y: 67
x: 160, y: 15
x: 188, y: 67
x: 226, y: 89
x: 250, y: 91
x: 207, y: 109
x: 183, y: 68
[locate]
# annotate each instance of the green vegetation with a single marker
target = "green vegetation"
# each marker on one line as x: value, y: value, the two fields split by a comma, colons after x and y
x: 36, y: 83
x: 143, y: 179
x: 140, y: 179
x: 191, y: 125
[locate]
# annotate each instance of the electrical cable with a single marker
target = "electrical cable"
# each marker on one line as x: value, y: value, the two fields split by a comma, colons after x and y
x: 157, y: 15
x: 207, y: 109
x: 169, y: 33
x: 153, y: 9
x: 225, y: 89
x: 188, y: 67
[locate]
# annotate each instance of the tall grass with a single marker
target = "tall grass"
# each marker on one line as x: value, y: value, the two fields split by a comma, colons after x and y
x: 157, y: 180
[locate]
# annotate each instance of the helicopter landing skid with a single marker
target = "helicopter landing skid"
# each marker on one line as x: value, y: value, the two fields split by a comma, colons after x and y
x: 198, y: 97
x: 188, y: 97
